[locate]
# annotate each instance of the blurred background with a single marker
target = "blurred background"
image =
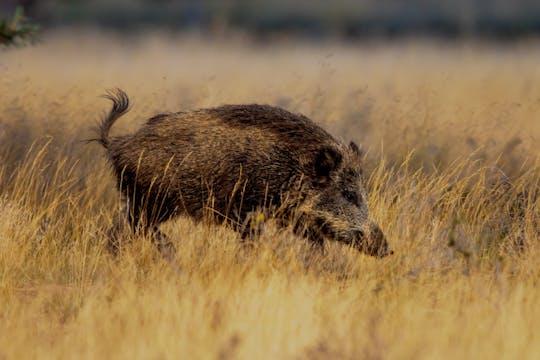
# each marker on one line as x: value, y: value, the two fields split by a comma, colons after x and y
x: 501, y: 19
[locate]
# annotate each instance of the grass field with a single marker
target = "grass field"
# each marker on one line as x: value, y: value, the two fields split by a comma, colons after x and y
x: 452, y: 140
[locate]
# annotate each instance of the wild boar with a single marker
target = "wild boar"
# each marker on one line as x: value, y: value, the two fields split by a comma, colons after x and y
x: 230, y: 162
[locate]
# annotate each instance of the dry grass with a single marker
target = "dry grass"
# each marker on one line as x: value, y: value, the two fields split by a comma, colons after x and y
x: 452, y: 136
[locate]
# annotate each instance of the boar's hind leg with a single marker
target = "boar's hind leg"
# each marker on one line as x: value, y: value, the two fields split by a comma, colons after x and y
x: 136, y: 220
x: 146, y: 223
x: 118, y: 233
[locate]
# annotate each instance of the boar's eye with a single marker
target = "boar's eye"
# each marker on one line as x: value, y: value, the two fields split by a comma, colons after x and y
x: 350, y: 196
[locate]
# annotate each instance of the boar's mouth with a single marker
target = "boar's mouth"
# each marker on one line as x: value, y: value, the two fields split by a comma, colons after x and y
x: 374, y: 244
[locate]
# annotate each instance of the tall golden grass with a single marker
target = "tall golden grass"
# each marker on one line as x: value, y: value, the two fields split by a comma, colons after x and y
x: 452, y: 166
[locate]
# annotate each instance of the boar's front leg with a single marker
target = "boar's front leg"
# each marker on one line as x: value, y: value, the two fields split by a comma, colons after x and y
x: 163, y: 242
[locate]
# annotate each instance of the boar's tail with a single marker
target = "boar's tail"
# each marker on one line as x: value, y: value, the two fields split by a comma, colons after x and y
x: 120, y: 106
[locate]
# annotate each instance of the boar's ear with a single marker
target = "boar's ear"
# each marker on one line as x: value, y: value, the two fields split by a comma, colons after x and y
x: 356, y: 149
x: 327, y: 160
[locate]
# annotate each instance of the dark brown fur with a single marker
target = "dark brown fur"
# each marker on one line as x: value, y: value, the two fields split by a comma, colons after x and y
x: 233, y: 161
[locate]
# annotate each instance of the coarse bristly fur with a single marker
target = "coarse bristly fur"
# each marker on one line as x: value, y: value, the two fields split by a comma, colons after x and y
x: 231, y: 162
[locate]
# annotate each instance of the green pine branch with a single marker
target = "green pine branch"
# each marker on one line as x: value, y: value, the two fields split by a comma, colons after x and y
x: 17, y: 30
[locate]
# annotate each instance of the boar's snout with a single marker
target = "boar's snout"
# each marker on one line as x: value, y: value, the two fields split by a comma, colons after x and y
x: 374, y: 243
